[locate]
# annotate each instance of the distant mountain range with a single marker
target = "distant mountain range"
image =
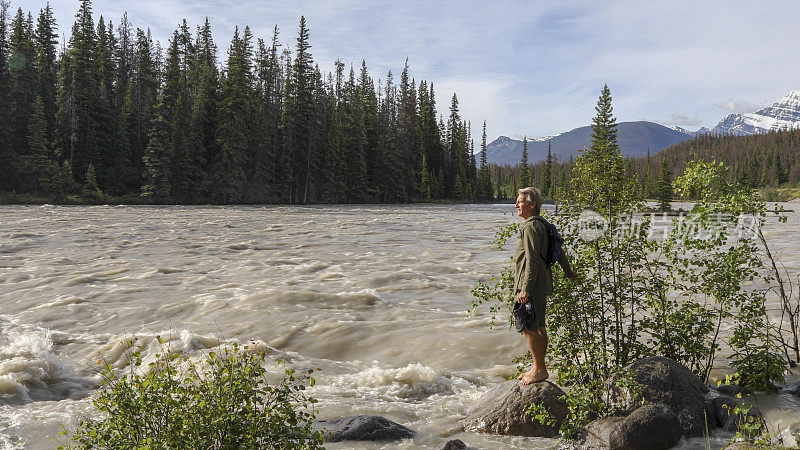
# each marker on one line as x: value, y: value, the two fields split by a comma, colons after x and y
x: 784, y: 114
x: 635, y: 138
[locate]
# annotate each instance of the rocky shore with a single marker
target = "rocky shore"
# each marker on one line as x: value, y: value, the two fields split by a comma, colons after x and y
x: 667, y: 404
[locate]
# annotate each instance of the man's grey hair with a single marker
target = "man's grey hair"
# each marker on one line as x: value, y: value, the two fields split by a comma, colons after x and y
x: 532, y: 195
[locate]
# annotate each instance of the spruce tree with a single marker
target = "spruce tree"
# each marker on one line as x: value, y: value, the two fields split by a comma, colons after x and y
x: 8, y: 160
x: 484, y: 179
x: 546, y: 176
x: 79, y: 98
x: 38, y: 164
x: 23, y: 80
x: 47, y: 67
x: 204, y: 120
x: 235, y: 114
x: 143, y: 98
x: 524, y: 168
x: 604, y: 125
x: 298, y: 111
x: 664, y: 189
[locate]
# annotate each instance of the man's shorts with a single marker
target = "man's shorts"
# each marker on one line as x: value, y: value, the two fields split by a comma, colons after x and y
x: 539, y: 305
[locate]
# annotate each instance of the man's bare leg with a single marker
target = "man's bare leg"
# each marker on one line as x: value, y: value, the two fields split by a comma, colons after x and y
x: 537, y: 342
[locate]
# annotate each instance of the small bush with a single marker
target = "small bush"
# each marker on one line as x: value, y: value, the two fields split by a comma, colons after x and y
x: 222, y: 401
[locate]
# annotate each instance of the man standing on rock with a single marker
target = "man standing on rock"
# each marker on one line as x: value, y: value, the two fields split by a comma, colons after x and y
x: 533, y: 278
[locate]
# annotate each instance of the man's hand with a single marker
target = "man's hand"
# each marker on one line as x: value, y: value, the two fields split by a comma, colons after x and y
x: 522, y: 296
x: 572, y: 275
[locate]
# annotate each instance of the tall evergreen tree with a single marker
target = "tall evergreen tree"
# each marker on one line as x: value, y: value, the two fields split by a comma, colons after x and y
x: 143, y: 95
x: 524, y: 168
x: 38, y: 164
x: 47, y: 67
x: 664, y: 187
x: 79, y: 98
x: 604, y: 125
x: 23, y: 80
x: 484, y: 180
x: 8, y: 162
x: 546, y: 176
x: 298, y: 112
x: 236, y: 111
x: 204, y: 121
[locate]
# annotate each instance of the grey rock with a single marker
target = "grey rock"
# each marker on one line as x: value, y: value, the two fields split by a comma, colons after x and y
x: 501, y: 410
x: 793, y: 388
x: 732, y: 390
x: 667, y: 382
x: 362, y: 428
x: 724, y: 407
x: 597, y: 434
x: 651, y: 427
x: 455, y: 444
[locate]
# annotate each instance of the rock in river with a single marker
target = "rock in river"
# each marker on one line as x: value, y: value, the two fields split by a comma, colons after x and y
x: 362, y: 428
x: 651, y: 427
x: 501, y: 410
x: 667, y: 382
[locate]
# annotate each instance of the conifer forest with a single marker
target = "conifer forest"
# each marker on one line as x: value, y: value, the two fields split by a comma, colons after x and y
x: 112, y: 115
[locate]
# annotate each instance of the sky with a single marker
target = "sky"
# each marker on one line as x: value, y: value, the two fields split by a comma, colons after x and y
x: 532, y: 68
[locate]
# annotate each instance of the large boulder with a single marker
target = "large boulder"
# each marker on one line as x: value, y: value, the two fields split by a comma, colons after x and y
x: 666, y: 382
x: 502, y: 409
x: 362, y: 428
x: 651, y: 426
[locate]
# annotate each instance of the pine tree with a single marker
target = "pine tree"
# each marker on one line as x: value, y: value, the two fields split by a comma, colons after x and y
x: 604, y: 126
x: 204, y: 120
x: 235, y: 114
x: 455, y: 153
x: 8, y: 158
x: 23, y: 80
x: 336, y: 141
x: 546, y: 177
x: 484, y: 179
x: 664, y: 189
x: 46, y: 39
x: 38, y: 165
x: 143, y: 98
x: 647, y: 180
x: 107, y: 113
x: 298, y: 113
x: 79, y: 98
x: 524, y: 168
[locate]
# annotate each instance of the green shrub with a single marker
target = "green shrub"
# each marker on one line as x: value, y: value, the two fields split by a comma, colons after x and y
x: 222, y: 401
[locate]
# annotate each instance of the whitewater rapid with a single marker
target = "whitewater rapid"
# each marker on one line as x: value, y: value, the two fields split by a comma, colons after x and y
x: 373, y: 296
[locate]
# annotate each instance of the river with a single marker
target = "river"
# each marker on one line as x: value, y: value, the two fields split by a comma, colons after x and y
x: 374, y: 296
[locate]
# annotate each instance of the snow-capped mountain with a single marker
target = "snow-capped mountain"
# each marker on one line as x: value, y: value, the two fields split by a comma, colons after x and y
x: 784, y: 114
x: 683, y: 130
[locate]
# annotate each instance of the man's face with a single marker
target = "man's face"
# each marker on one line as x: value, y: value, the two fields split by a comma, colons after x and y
x: 524, y: 209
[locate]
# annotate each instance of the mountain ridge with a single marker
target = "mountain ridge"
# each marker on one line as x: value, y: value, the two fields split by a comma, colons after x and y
x: 634, y: 138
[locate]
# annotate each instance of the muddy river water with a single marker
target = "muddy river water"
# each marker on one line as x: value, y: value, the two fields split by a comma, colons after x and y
x: 374, y: 296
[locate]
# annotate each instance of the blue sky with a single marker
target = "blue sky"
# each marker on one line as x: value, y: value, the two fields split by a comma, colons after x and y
x: 534, y: 67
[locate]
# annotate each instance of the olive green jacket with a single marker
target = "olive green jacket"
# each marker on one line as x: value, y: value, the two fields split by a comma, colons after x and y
x: 531, y: 273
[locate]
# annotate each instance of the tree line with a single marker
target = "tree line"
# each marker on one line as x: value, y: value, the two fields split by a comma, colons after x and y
x: 768, y: 160
x: 113, y: 115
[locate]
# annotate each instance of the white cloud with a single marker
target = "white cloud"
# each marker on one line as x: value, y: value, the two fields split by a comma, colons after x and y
x: 738, y: 106
x: 680, y: 120
x: 526, y: 67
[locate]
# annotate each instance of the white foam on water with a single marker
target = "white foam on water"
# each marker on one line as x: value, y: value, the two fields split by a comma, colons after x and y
x: 410, y: 383
x: 31, y: 370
